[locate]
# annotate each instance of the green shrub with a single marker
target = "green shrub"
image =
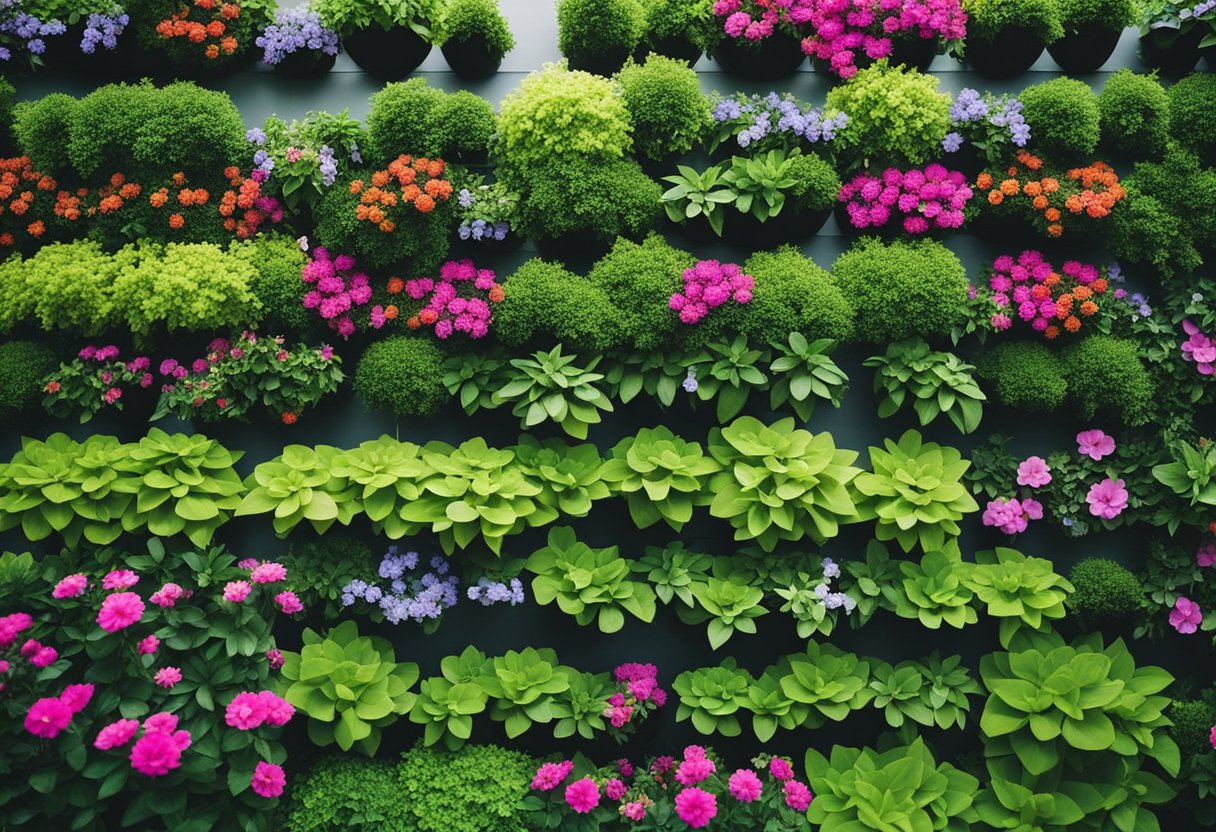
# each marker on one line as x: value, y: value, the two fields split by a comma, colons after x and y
x: 598, y: 27
x: 1144, y: 230
x: 1104, y: 593
x: 1192, y: 728
x: 1024, y: 375
x: 896, y: 114
x: 986, y: 19
x: 1105, y: 374
x: 460, y: 126
x: 543, y: 299
x: 668, y: 110
x: 692, y: 20
x: 7, y: 102
x: 639, y: 280
x: 403, y: 374
x: 476, y: 789
x: 1135, y: 112
x: 349, y: 15
x: 608, y: 197
x: 1063, y: 116
x: 901, y: 289
x: 399, y: 118
x: 23, y: 366
x: 794, y: 294
x: 277, y: 286
x: 1192, y: 116
x: 1113, y: 14
x: 40, y: 129
x: 467, y: 19
x: 346, y: 793
x: 556, y: 113
x: 816, y: 183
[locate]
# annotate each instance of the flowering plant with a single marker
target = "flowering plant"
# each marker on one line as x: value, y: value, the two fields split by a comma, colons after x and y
x: 485, y: 211
x: 294, y: 30
x: 337, y: 289
x: 759, y: 123
x: 300, y: 160
x: 92, y: 381
x: 755, y: 20
x: 708, y: 285
x: 421, y: 184
x: 990, y: 123
x: 841, y: 28
x: 461, y: 300
x: 1030, y: 289
x: 929, y: 198
x: 22, y: 32
x: 103, y: 28
x: 25, y: 212
x: 417, y: 590
x: 200, y: 31
x: 1088, y: 193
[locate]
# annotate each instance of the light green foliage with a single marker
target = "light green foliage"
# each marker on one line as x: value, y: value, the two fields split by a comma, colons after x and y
x: 379, y: 477
x: 1023, y: 592
x: 661, y: 475
x: 571, y: 477
x: 711, y: 697
x: 588, y: 584
x: 934, y: 591
x: 447, y: 704
x: 1026, y: 375
x: 669, y: 112
x: 770, y: 706
x: 559, y: 113
x: 350, y: 15
x: 402, y: 374
x: 1063, y: 116
x: 932, y: 693
x: 550, y: 386
x: 477, y: 789
x: 793, y: 294
x: 902, y: 289
x: 915, y: 492
x: 523, y: 685
x: 460, y: 126
x: 1192, y: 118
x: 1112, y: 14
x: 277, y: 287
x: 472, y: 378
x: 831, y: 681
x: 895, y: 114
x: 727, y: 604
x: 350, y: 686
x: 608, y: 198
x: 580, y: 708
x: 803, y: 371
x: 870, y: 574
x: 467, y: 19
x: 987, y: 18
x: 696, y: 194
x: 639, y: 279
x: 1105, y: 374
x: 398, y: 119
x: 40, y: 129
x: 1191, y: 474
x: 1104, y: 593
x: 816, y: 183
x: 345, y: 793
x: 939, y: 382
x: 594, y: 27
x: 23, y: 366
x: 672, y: 571
x: 297, y: 486
x: 690, y: 19
x: 546, y: 302
x: 1135, y: 112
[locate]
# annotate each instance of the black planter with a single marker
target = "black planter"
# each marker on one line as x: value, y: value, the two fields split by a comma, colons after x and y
x: 682, y: 49
x: 1013, y: 51
x: 471, y: 59
x: 579, y: 246
x: 305, y: 63
x: 915, y: 53
x: 478, y: 250
x: 599, y: 63
x: 1085, y: 49
x: 772, y: 58
x: 1173, y: 55
x: 746, y: 231
x: 387, y: 54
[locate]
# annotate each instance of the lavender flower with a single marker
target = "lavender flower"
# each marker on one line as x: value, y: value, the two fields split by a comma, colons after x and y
x: 28, y: 30
x: 328, y: 165
x: 690, y: 384
x: 103, y: 29
x: 255, y: 135
x: 293, y: 30
x: 951, y: 142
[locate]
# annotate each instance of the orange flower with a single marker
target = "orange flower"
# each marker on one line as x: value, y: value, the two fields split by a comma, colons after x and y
x: 380, y: 178
x: 1052, y: 214
x: 983, y: 181
x: 1099, y: 285
x: 117, y: 179
x: 1010, y: 187
x: 1082, y: 293
x: 361, y: 212
x: 215, y: 28
x: 228, y: 44
x: 158, y: 199
x: 232, y: 172
x: 412, y: 322
x: 995, y: 197
x: 424, y: 204
x: 395, y: 285
x: 198, y: 34
x: 388, y: 226
x: 1073, y: 204
x: 1055, y: 229
x: 496, y: 294
x: 1088, y: 308
x: 1072, y: 323
x: 36, y: 228
x: 289, y: 418
x: 179, y: 179
x: 1050, y: 185
x: 428, y: 316
x: 1052, y: 332
x: 229, y: 224
x: 435, y: 168
x: 176, y: 220
x: 410, y: 192
x: 6, y: 239
x: 1052, y: 279
x: 185, y: 196
x: 356, y: 186
x: 1032, y: 188
x: 390, y: 312
x: 1039, y: 292
x: 1040, y: 203
x: 230, y: 11
x: 212, y: 52
x: 375, y: 214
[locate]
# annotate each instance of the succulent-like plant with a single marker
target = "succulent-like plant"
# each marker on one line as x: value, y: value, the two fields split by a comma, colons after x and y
x: 780, y: 483
x: 726, y: 374
x: 1021, y: 591
x: 830, y: 680
x: 446, y: 709
x: 658, y: 374
x: 932, y: 693
x: 728, y: 605
x: 522, y: 686
x: 934, y: 591
x: 298, y: 486
x: 869, y: 576
x: 938, y: 382
x: 803, y: 372
x: 473, y: 378
x: 672, y: 570
x: 661, y: 475
x: 711, y: 698
x: 805, y: 605
x: 589, y: 584
x: 915, y: 492
x: 350, y: 686
x: 383, y: 475
x: 570, y: 477
x: 550, y: 386
x: 771, y: 707
x: 579, y: 709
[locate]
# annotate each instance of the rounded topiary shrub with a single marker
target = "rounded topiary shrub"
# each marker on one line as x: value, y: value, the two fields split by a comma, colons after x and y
x: 639, y: 280
x: 278, y: 287
x: 986, y: 19
x: 598, y: 34
x: 1063, y: 116
x: 460, y: 127
x: 23, y: 366
x: 404, y: 375
x: 794, y: 294
x: 476, y: 789
x: 816, y: 183
x: 1104, y: 593
x: 895, y: 114
x: 1024, y: 375
x: 399, y: 118
x: 467, y: 20
x: 337, y: 791
x: 1105, y: 374
x: 1110, y: 14
x: 545, y: 303
x: 669, y: 112
x: 1192, y: 116
x: 901, y: 289
x: 41, y: 130
x: 670, y: 22
x: 1192, y: 728
x: 605, y: 198
x: 1135, y: 113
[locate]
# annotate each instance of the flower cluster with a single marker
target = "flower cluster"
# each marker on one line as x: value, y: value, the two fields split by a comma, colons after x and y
x: 296, y: 29
x: 488, y: 592
x: 755, y: 20
x: 1091, y: 191
x: 637, y: 696
x: 93, y: 381
x: 774, y: 122
x: 1030, y: 289
x: 823, y: 590
x: 103, y: 29
x: 420, y: 187
x: 1199, y: 348
x: 989, y: 122
x: 841, y: 29
x: 244, y: 207
x: 23, y: 215
x: 204, y: 23
x: 336, y: 290
x: 932, y: 198
x: 19, y: 30
x: 708, y: 285
x: 50, y: 716
x: 157, y: 752
x: 411, y: 594
x: 485, y: 211
x: 1012, y: 516
x: 459, y: 301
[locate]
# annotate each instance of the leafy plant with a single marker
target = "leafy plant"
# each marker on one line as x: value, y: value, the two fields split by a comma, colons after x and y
x: 711, y: 697
x: 550, y: 386
x: 728, y: 606
x: 298, y: 486
x: 895, y: 114
x: 473, y: 378
x: 381, y: 477
x: 830, y: 680
x: 476, y: 789
x: 661, y: 475
x: 1192, y: 473
x: 668, y: 110
x: 350, y: 686
x: 579, y: 709
x: 727, y: 373
x: 447, y: 704
x: 571, y: 478
x: 804, y: 371
x: 1021, y: 591
x: 465, y: 20
x: 522, y: 685
x: 770, y: 706
x: 348, y: 16
x: 870, y: 576
x: 589, y: 584
x: 694, y: 194
x: 934, y: 591
x: 931, y: 693
x: 672, y: 570
x: 939, y: 382
x: 760, y: 183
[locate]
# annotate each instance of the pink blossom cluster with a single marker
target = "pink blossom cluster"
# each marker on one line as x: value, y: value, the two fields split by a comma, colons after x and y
x: 453, y: 305
x: 708, y: 285
x: 50, y: 716
x: 755, y: 20
x: 1107, y: 498
x: 1026, y: 286
x: 1200, y: 348
x: 638, y: 694
x: 930, y: 198
x: 1012, y: 515
x: 840, y: 29
x: 1205, y: 555
x: 337, y: 289
x: 157, y: 752
x: 1186, y: 617
x: 248, y: 710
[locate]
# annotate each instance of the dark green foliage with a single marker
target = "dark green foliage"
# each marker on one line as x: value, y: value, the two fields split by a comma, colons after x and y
x: 1193, y: 720
x: 901, y: 289
x: 460, y: 126
x: 1145, y: 231
x: 1024, y: 375
x: 23, y: 366
x: 1135, y: 113
x: 1063, y: 116
x: 40, y: 129
x: 1105, y: 374
x: 543, y: 300
x: 793, y: 294
x: 816, y: 183
x: 278, y: 286
x: 399, y: 118
x: 1192, y: 116
x: 668, y: 110
x: 320, y: 568
x: 467, y: 19
x: 402, y: 374
x: 595, y: 27
x: 476, y: 789
x: 1114, y: 14
x: 7, y: 94
x: 692, y: 20
x: 986, y: 18
x: 349, y: 794
x: 639, y: 280
x: 1105, y: 593
x: 608, y: 197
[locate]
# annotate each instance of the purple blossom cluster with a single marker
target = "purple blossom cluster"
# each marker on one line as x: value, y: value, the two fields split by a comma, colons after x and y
x: 823, y: 590
x: 930, y: 198
x: 708, y: 285
x: 771, y: 120
x: 488, y: 592
x: 985, y: 120
x: 103, y: 30
x: 411, y: 594
x: 327, y: 163
x: 293, y: 30
x: 24, y: 31
x: 337, y: 289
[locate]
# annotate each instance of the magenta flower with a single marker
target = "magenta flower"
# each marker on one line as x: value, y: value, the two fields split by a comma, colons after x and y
x: 708, y: 285
x: 275, y: 658
x: 780, y: 769
x: 278, y: 710
x: 76, y: 697
x: 237, y: 591
x: 1007, y: 515
x: 695, y: 770
x: 168, y: 595
x: 797, y: 795
x: 116, y: 734
x: 551, y: 775
x: 615, y: 788
x: 155, y: 754
x: 167, y: 677
x: 147, y: 645
x: 70, y: 587
x: 1212, y: 737
x: 696, y: 807
x: 47, y: 717
x: 1206, y: 555
x: 160, y: 722
x: 636, y: 811
x: 268, y: 779
x: 1107, y: 499
x: 583, y: 795
x: 1199, y: 348
x: 289, y: 603
x: 1186, y: 616
x: 120, y: 610
x: 44, y: 657
x: 1095, y: 444
x: 268, y: 573
x: 1034, y: 472
x: 119, y: 579
x: 246, y: 711
x: 744, y: 785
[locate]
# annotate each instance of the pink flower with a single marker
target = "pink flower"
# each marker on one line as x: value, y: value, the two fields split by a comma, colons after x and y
x: 637, y: 811
x: 278, y: 710
x: 167, y: 595
x: 1107, y: 499
x: 268, y: 779
x: 155, y: 754
x: 1212, y: 737
x: 551, y: 775
x: 119, y: 579
x: 1034, y: 472
x: 70, y: 587
x: 47, y: 717
x: 160, y: 723
x: 237, y: 591
x: 696, y: 807
x: 12, y: 625
x: 31, y: 646
x: 745, y: 786
x: 247, y: 563
x: 246, y: 711
x: 119, y: 611
x: 289, y: 603
x: 167, y: 677
x: 693, y: 771
x: 148, y: 646
x: 797, y: 796
x: 44, y: 657
x: 268, y: 573
x: 1009, y: 516
x: 780, y: 769
x: 76, y: 697
x: 625, y: 767
x: 1095, y: 444
x: 275, y: 657
x: 583, y: 795
x: 116, y: 734
x: 1185, y: 617
x: 615, y: 788
x: 1206, y: 556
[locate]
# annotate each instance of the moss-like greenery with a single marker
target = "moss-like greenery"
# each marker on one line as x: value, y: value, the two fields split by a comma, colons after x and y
x: 987, y: 18
x: 476, y: 789
x: 1193, y: 720
x: 1025, y: 375
x: 1192, y: 116
x: 1135, y: 113
x: 348, y: 793
x: 816, y: 183
x: 399, y: 118
x: 896, y: 114
x: 467, y: 19
x: 609, y: 198
x: 597, y: 27
x: 402, y: 374
x: 1113, y: 14
x: 669, y: 112
x: 1105, y: 374
x: 1063, y: 116
x: 546, y: 303
x: 460, y: 126
x: 278, y: 288
x: 1105, y: 593
x: 23, y: 365
x: 794, y: 294
x: 639, y: 279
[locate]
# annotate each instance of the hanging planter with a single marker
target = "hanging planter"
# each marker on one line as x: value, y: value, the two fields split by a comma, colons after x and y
x: 388, y: 54
x: 914, y: 52
x: 476, y: 38
x: 286, y: 44
x: 471, y: 59
x: 1012, y: 51
x: 1173, y: 51
x: 1086, y: 48
x: 766, y: 60
x: 306, y: 65
x: 680, y: 48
